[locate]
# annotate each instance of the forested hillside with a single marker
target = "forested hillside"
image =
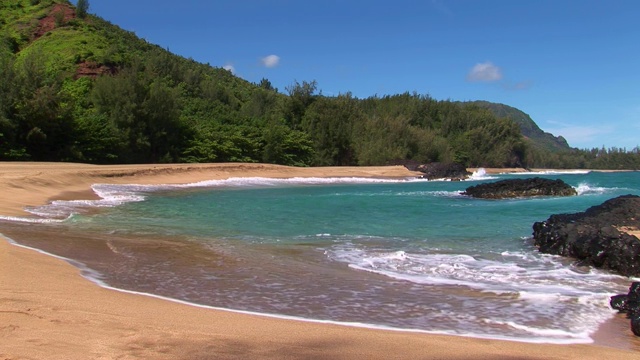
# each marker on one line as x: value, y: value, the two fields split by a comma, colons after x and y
x: 74, y: 87
x: 528, y: 127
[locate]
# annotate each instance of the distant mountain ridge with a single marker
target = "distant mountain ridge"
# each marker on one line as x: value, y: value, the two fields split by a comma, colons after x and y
x: 528, y: 127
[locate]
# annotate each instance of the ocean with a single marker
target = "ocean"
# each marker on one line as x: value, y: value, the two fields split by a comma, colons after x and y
x: 405, y: 254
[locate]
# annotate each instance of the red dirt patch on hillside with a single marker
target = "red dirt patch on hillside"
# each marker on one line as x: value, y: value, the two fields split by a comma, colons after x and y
x: 48, y: 22
x: 93, y: 70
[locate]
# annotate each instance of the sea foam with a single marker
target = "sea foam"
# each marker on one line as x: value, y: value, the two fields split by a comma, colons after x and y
x: 269, y: 182
x: 63, y: 210
x: 479, y: 175
x: 587, y: 189
x: 551, y: 172
x: 541, y: 286
x: 521, y: 272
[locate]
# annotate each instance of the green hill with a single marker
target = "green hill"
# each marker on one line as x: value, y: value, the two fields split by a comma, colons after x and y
x: 529, y: 128
x: 86, y: 90
x: 69, y: 45
x: 74, y: 87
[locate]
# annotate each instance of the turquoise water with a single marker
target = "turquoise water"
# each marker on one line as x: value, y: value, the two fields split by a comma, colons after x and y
x: 403, y: 254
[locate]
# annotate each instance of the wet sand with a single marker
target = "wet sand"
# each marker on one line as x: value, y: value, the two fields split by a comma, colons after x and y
x: 49, y: 311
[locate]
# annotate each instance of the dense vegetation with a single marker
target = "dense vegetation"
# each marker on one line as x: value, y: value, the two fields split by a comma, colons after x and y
x: 528, y: 127
x: 74, y: 87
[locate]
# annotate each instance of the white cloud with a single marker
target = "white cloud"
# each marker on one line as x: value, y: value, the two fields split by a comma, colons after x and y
x: 486, y: 72
x: 270, y: 61
x: 230, y: 67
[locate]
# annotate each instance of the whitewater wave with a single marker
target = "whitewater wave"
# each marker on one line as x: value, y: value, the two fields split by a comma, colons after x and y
x: 578, y: 299
x: 587, y: 189
x: 551, y: 172
x: 270, y: 182
x: 33, y: 220
x: 511, y: 271
x: 480, y: 174
x: 63, y: 210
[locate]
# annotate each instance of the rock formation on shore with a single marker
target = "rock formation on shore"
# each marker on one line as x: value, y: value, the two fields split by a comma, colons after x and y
x: 436, y: 170
x: 598, y: 237
x: 513, y: 188
x: 629, y: 304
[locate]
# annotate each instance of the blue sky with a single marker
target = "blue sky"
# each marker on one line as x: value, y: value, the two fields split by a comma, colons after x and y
x: 572, y: 65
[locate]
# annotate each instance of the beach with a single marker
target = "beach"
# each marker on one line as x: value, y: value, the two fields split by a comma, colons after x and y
x: 48, y: 310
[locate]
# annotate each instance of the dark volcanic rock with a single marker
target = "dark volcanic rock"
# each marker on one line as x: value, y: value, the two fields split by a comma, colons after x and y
x: 513, y: 188
x: 437, y: 170
x: 629, y: 304
x: 411, y: 165
x: 622, y: 303
x: 595, y: 236
x: 635, y: 323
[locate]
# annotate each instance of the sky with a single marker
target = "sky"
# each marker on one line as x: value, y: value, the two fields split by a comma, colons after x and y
x: 572, y: 65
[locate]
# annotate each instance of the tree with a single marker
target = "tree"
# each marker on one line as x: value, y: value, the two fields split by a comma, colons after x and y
x: 81, y: 8
x: 266, y: 84
x: 301, y: 96
x: 285, y: 146
x: 329, y: 122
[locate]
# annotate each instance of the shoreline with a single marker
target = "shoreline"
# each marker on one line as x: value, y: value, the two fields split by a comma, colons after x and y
x: 346, y: 324
x: 367, y: 326
x: 48, y: 307
x: 34, y: 184
x: 39, y: 183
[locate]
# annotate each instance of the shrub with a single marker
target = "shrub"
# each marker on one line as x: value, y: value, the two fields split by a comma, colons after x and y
x: 81, y: 8
x: 59, y: 18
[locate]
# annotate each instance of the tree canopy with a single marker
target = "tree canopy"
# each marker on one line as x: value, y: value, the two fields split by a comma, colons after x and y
x: 85, y: 90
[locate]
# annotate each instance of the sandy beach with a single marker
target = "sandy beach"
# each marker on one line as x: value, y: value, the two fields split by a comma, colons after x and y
x: 49, y: 311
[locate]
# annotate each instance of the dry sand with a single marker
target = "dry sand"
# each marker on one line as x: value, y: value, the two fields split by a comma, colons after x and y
x: 48, y: 311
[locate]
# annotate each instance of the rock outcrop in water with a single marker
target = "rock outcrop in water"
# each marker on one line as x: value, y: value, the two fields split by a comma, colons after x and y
x: 598, y: 237
x: 629, y: 304
x: 436, y: 170
x: 514, y: 188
